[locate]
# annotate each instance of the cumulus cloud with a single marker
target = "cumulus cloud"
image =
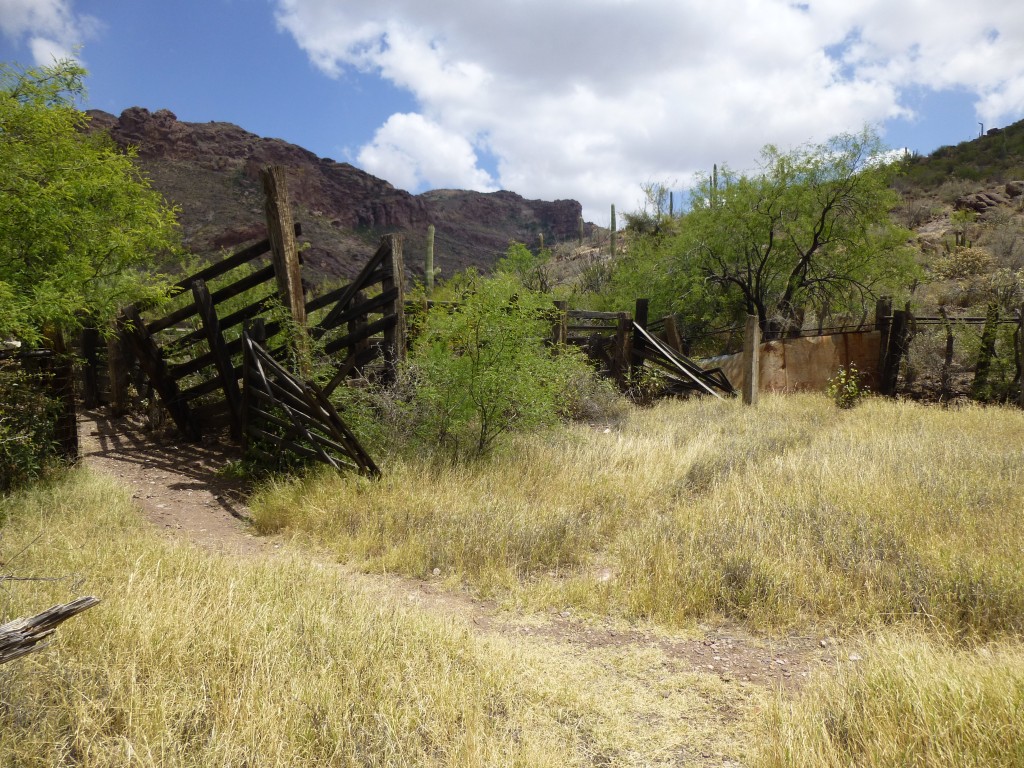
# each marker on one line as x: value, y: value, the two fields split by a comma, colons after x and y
x: 592, y: 98
x: 50, y: 28
x: 411, y: 151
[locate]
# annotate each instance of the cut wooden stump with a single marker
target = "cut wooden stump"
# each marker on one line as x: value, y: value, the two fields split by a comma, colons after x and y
x: 23, y: 636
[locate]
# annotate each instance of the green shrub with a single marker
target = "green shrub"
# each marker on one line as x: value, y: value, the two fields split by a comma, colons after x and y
x: 847, y: 387
x: 27, y: 424
x: 482, y: 368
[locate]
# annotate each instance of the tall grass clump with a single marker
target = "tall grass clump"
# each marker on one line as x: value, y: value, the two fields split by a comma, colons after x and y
x: 790, y: 512
x: 195, y: 659
x: 909, y: 703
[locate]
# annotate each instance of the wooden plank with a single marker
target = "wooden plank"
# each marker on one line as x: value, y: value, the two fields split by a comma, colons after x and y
x: 350, y: 339
x: 283, y: 248
x: 583, y: 314
x: 222, y: 294
x: 751, y: 360
x: 235, y: 260
x: 639, y: 340
x: 395, y: 341
x: 152, y: 363
x: 367, y: 306
x: 222, y: 361
x: 361, y: 281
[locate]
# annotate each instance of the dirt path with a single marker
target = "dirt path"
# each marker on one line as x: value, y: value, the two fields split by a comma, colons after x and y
x: 184, y: 492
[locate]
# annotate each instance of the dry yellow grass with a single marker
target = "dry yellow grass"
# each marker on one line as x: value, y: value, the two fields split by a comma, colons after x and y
x: 195, y: 659
x: 790, y: 512
x: 910, y: 703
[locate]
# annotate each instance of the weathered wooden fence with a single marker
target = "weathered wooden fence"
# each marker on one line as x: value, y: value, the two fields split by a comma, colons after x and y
x: 622, y: 345
x: 284, y: 417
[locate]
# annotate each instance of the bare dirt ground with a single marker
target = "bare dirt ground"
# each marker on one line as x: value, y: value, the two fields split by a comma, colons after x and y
x: 182, y: 490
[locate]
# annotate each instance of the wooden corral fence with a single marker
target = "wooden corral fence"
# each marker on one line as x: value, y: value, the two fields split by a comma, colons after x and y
x: 622, y: 345
x: 195, y: 355
x: 981, y: 371
x: 284, y: 416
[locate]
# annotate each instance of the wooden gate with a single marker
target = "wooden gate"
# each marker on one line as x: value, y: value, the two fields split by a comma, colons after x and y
x: 284, y: 416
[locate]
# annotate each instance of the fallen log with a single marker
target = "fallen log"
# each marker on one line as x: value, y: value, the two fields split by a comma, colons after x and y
x: 26, y: 635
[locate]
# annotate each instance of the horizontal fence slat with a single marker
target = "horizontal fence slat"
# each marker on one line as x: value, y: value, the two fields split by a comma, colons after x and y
x: 582, y: 314
x: 222, y: 294
x: 363, y: 333
x: 363, y: 308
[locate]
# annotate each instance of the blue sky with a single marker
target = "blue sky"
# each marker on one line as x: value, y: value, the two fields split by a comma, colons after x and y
x: 584, y: 99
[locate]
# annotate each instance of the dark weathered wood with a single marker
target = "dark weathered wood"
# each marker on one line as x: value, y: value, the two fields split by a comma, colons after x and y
x: 883, y: 322
x: 312, y: 427
x: 899, y: 338
x: 27, y: 635
x: 639, y: 340
x: 118, y: 371
x: 218, y: 296
x: 560, y: 326
x: 90, y: 367
x: 365, y: 332
x: 225, y: 265
x: 621, y: 352
x: 222, y: 361
x: 980, y: 389
x: 283, y: 248
x: 672, y: 336
x: 583, y: 314
x: 361, y: 281
x: 152, y: 362
x: 751, y: 360
x: 61, y: 384
x: 947, y: 361
x: 395, y: 342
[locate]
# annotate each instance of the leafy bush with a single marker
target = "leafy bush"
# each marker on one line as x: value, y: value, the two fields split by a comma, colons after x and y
x: 482, y: 367
x: 847, y: 388
x: 26, y: 427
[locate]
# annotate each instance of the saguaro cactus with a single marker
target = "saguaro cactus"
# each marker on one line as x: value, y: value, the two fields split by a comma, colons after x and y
x: 613, y: 228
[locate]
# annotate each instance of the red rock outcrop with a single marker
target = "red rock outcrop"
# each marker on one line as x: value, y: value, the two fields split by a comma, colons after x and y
x: 211, y: 171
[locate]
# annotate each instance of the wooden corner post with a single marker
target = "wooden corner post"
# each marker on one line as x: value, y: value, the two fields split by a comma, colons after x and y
x: 751, y: 360
x: 395, y: 336
x: 284, y: 250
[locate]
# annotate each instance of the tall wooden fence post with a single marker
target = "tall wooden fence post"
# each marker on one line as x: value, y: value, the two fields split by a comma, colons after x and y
x: 639, y: 342
x: 883, y: 319
x: 621, y: 353
x: 395, y: 340
x: 899, y: 338
x: 221, y: 358
x: 751, y: 360
x: 283, y: 248
x: 63, y: 390
x: 1020, y: 356
x: 560, y: 328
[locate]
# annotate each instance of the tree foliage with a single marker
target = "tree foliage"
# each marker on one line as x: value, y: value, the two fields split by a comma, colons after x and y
x: 808, y: 235
x: 79, y: 225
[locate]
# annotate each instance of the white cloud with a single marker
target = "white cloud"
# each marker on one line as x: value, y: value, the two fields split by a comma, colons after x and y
x: 50, y: 28
x: 591, y: 98
x: 410, y: 151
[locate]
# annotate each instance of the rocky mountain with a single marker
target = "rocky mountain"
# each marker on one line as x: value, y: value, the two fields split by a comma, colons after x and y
x: 211, y: 172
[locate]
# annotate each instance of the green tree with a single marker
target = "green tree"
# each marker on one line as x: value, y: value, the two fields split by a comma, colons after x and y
x: 810, y: 233
x: 530, y: 269
x: 79, y: 224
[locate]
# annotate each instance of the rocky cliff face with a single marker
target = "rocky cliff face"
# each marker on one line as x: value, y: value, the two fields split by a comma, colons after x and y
x: 211, y: 171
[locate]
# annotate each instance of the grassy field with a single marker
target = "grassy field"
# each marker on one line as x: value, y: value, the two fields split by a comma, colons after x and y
x: 790, y: 513
x: 196, y: 659
x: 894, y: 527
